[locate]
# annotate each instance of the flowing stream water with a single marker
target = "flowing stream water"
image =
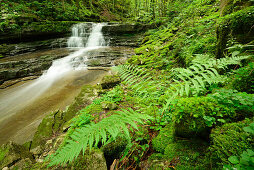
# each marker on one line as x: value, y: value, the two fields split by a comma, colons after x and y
x: 21, y: 105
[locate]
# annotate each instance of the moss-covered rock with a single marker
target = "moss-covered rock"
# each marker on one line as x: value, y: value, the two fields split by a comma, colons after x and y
x: 114, y: 150
x: 237, y: 25
x: 90, y: 160
x: 230, y: 139
x: 110, y: 81
x: 243, y: 80
x: 195, y: 116
x: 164, y: 138
x: 11, y: 153
x: 108, y: 105
x: 187, y: 154
x: 83, y: 99
x: 50, y: 125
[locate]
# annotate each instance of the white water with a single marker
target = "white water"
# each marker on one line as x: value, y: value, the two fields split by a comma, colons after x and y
x: 59, y: 69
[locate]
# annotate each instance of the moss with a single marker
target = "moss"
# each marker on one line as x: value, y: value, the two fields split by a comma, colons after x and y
x: 228, y: 140
x: 93, y: 159
x: 243, y: 80
x: 44, y: 130
x: 239, y: 25
x: 187, y: 154
x: 110, y: 81
x: 164, y: 138
x: 109, y: 105
x: 114, y: 150
x: 229, y: 6
x: 10, y: 153
x: 82, y: 100
x: 195, y: 116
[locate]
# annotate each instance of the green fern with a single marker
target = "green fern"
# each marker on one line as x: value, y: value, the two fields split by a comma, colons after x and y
x: 203, y: 71
x: 90, y: 135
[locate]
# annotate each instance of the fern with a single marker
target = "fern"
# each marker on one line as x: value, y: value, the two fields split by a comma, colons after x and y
x: 90, y: 135
x: 203, y: 71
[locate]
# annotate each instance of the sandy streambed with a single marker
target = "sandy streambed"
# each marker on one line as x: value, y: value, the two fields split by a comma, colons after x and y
x: 20, y: 116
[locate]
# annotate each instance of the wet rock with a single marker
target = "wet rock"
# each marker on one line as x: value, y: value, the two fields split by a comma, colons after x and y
x: 26, y: 67
x: 110, y: 81
x: 12, y: 82
x: 11, y: 153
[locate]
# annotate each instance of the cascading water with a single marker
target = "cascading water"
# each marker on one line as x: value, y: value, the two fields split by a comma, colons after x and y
x: 76, y: 60
x: 61, y: 67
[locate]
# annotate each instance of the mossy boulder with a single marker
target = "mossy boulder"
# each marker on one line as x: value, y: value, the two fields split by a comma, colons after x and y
x: 243, y: 80
x: 194, y: 116
x: 229, y: 6
x: 11, y: 153
x: 238, y: 25
x: 164, y: 138
x: 108, y: 105
x: 230, y: 139
x: 90, y: 160
x: 114, y: 150
x: 110, y: 81
x: 187, y: 154
x: 83, y: 99
x: 50, y: 125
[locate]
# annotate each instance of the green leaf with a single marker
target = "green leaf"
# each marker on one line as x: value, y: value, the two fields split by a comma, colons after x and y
x: 233, y: 159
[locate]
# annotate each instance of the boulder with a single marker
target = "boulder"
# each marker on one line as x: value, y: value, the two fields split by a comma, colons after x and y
x: 12, y: 153
x: 110, y: 81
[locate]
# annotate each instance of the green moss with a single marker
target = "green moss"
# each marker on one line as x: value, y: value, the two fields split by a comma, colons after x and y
x: 228, y: 140
x: 82, y: 100
x: 93, y: 159
x: 3, y: 153
x: 114, y: 149
x: 164, y: 138
x: 45, y: 130
x: 195, y: 115
x: 110, y: 81
x: 11, y: 153
x: 187, y: 154
x: 243, y: 80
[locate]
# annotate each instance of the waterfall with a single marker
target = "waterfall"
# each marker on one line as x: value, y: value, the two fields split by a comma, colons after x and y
x: 76, y: 61
x: 61, y: 67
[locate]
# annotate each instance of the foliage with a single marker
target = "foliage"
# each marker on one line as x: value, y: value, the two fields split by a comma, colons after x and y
x: 90, y: 135
x: 242, y: 103
x: 243, y: 79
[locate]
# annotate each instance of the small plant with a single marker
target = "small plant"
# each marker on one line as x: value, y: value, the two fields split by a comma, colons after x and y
x: 246, y: 161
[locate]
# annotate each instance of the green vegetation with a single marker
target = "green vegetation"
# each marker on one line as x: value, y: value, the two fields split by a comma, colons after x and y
x: 185, y: 99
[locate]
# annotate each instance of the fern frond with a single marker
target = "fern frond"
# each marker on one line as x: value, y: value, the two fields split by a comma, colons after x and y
x: 91, y: 134
x: 202, y: 72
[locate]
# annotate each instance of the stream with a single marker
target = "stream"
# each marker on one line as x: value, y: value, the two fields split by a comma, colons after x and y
x: 23, y: 104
